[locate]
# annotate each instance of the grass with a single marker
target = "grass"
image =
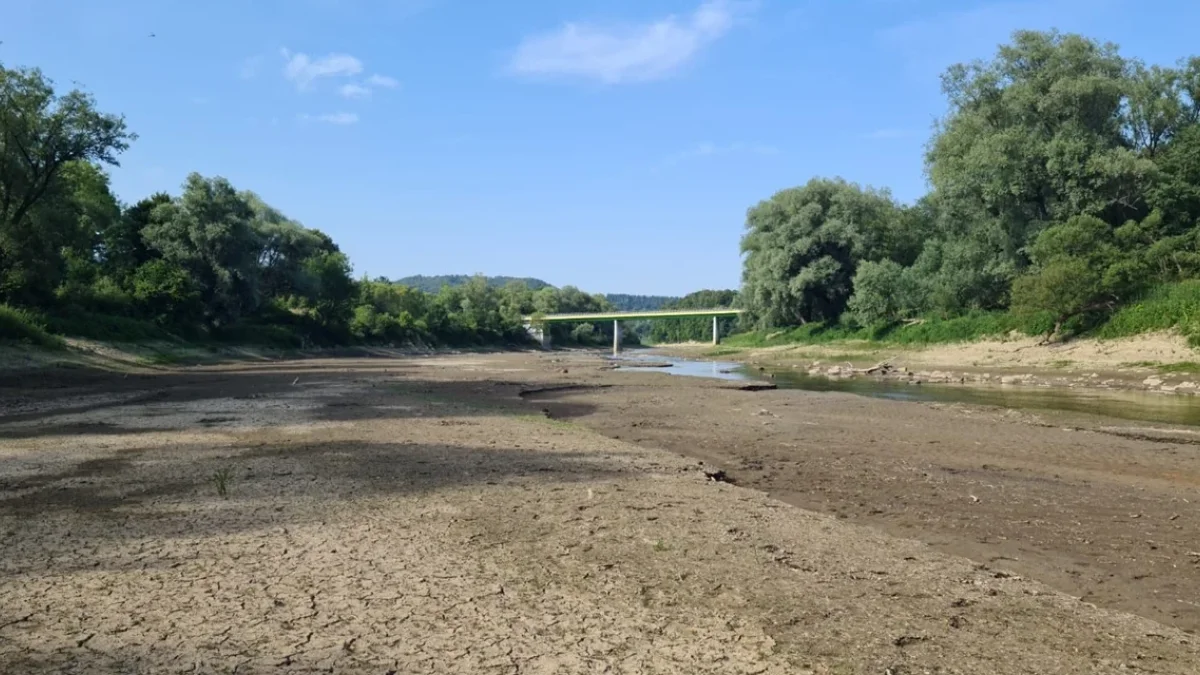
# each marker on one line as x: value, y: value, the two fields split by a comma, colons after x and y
x: 1181, y: 367
x: 1163, y: 308
x: 107, y: 327
x: 931, y: 331
x: 19, y: 325
x: 542, y: 419
x: 221, y: 479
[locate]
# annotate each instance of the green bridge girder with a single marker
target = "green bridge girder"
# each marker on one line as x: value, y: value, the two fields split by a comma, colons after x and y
x: 628, y: 316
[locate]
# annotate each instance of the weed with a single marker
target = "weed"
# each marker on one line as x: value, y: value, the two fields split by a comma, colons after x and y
x: 221, y: 479
x: 542, y: 419
x: 19, y: 325
x: 661, y: 546
x: 723, y: 351
x: 1181, y: 367
x: 1162, y: 308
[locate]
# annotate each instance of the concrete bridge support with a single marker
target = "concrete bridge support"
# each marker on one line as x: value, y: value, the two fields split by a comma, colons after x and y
x: 616, y: 337
x: 716, y: 335
x: 539, y: 333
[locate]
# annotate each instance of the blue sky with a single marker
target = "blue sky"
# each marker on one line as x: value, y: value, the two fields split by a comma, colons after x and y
x: 610, y: 144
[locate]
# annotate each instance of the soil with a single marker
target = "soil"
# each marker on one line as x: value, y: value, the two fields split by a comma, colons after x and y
x: 537, y: 513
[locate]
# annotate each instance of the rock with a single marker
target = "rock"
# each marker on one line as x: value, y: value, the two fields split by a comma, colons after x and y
x: 1010, y: 379
x: 1152, y: 381
x: 1188, y: 385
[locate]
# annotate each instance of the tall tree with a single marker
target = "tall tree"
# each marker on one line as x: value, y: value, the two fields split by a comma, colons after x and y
x: 208, y: 231
x: 803, y: 246
x: 41, y: 135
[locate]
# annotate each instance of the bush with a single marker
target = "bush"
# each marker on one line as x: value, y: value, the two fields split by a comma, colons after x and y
x: 19, y: 325
x: 79, y: 322
x: 1161, y: 308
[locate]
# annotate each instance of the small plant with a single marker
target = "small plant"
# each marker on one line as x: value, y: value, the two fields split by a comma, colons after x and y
x: 660, y: 546
x: 221, y: 479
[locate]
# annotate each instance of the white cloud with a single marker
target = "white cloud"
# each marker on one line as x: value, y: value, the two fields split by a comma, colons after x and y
x: 711, y: 149
x: 303, y: 70
x: 352, y: 90
x: 339, y: 118
x: 629, y: 53
x: 382, y: 82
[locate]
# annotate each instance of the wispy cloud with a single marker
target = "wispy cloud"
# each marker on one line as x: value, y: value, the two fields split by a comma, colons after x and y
x: 303, y: 70
x: 338, y: 118
x: 382, y: 82
x: 352, y: 90
x: 712, y: 149
x: 624, y: 53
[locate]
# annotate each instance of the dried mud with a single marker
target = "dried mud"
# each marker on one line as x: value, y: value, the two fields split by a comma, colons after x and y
x: 420, y: 515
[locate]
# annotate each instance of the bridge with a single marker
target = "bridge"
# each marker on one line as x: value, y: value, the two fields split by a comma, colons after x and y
x: 536, y: 324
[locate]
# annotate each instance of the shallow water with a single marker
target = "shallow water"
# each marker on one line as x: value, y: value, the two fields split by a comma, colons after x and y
x: 1130, y: 405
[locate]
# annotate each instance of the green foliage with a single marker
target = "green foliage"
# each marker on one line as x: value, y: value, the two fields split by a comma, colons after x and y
x: 803, y: 246
x: 1066, y: 182
x: 221, y: 480
x: 695, y: 329
x: 19, y: 325
x: 964, y: 328
x: 107, y: 327
x: 1078, y: 268
x: 434, y: 284
x: 638, y: 303
x: 52, y: 193
x: 1161, y: 308
x: 166, y: 294
x: 885, y: 292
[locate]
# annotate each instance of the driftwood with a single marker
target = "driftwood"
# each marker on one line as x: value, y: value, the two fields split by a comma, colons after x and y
x: 882, y: 367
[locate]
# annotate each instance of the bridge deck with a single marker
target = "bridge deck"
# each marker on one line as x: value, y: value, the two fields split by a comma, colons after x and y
x: 626, y: 316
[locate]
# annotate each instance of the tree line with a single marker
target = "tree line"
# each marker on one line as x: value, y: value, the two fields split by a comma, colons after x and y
x: 1064, y: 185
x: 213, y: 262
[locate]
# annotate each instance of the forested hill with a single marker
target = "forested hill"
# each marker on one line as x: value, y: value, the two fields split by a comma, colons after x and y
x: 433, y: 284
x: 639, y: 303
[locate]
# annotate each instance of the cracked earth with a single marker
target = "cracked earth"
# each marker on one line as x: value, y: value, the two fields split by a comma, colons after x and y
x: 418, y: 516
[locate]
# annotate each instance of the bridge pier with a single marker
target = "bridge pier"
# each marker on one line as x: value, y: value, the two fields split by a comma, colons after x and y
x: 616, y: 337
x: 539, y: 333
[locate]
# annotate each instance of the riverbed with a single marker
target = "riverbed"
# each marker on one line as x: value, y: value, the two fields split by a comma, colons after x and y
x: 1125, y: 404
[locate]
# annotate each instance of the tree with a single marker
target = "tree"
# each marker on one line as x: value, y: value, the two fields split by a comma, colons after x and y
x: 1077, y: 269
x: 41, y: 136
x: 123, y: 247
x: 695, y: 329
x: 166, y: 294
x: 885, y: 292
x: 208, y: 232
x: 1038, y: 135
x: 802, y: 248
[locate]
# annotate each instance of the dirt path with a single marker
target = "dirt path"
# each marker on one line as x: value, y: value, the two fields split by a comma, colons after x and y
x: 420, y: 515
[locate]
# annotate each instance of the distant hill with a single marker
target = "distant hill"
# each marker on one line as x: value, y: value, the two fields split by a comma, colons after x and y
x: 639, y: 303
x: 433, y: 284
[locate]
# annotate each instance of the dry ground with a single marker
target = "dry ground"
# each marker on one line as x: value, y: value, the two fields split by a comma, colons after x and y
x: 420, y: 516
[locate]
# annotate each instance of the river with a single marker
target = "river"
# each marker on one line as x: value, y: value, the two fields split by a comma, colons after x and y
x: 1129, y: 405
